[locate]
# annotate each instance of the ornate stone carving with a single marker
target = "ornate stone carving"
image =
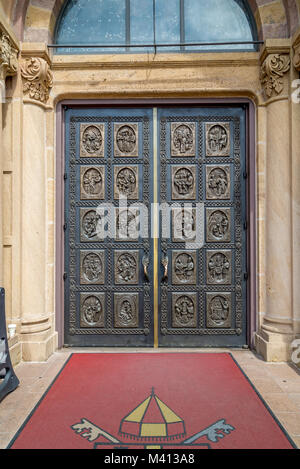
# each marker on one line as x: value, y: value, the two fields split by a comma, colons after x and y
x: 218, y: 182
x: 92, y: 310
x: 184, y: 310
x: 218, y: 225
x: 184, y: 267
x: 183, y: 182
x: 92, y: 140
x: 219, y: 267
x: 126, y: 309
x: 218, y: 310
x: 126, y: 140
x: 272, y: 72
x: 126, y: 267
x: 8, y: 57
x: 218, y: 139
x: 126, y: 182
x: 92, y: 267
x: 92, y: 183
x: 296, y: 59
x: 183, y: 139
x: 37, y: 79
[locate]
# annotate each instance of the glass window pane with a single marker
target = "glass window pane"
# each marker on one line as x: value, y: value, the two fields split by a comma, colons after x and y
x: 168, y: 23
x: 216, y: 21
x: 93, y: 22
x: 141, y: 23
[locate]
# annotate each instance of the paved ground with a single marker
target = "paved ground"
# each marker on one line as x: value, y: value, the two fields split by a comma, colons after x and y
x: 278, y: 383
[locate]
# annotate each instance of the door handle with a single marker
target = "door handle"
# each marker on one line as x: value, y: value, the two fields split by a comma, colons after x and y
x: 165, y: 263
x: 146, y: 265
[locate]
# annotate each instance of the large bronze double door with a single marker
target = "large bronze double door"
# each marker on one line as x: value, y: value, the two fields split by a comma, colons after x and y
x: 155, y: 227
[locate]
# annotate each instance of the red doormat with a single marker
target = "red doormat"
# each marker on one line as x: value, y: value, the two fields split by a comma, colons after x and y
x: 156, y: 400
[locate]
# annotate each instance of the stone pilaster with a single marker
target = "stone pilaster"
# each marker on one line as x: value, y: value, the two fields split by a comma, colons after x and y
x: 8, y: 67
x: 37, y: 328
x: 275, y: 335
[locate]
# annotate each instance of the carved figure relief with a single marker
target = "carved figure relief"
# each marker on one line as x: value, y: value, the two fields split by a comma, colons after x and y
x: 183, y: 182
x: 126, y: 140
x: 219, y: 267
x: 8, y: 57
x: 126, y: 182
x: 126, y: 309
x: 218, y: 310
x: 127, y: 225
x: 92, y: 267
x: 92, y: 183
x: 218, y: 225
x: 126, y: 267
x: 184, y: 225
x: 92, y: 310
x: 91, y: 225
x: 184, y: 310
x: 217, y: 139
x: 183, y: 139
x: 184, y: 265
x: 92, y: 140
x: 218, y: 182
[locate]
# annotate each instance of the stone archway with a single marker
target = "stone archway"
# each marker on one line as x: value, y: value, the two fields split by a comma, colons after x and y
x: 34, y: 20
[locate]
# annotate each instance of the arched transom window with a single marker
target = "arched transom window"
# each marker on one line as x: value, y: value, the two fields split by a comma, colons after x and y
x: 160, y: 25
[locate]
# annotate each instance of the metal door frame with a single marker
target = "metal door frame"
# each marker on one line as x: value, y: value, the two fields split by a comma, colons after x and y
x: 250, y: 109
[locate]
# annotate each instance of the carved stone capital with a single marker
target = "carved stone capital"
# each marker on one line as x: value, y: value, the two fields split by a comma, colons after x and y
x: 273, y: 69
x: 296, y: 59
x: 37, y: 79
x: 8, y: 57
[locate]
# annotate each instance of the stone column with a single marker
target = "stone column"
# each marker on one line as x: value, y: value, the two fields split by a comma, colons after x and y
x: 8, y: 67
x: 275, y: 335
x: 38, y: 336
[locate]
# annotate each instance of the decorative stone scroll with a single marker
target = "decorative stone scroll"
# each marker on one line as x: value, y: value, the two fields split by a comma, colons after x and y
x: 272, y: 73
x: 8, y: 57
x: 37, y: 79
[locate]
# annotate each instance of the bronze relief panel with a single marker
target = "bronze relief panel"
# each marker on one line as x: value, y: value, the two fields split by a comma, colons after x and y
x: 217, y: 139
x: 218, y: 225
x: 219, y: 267
x: 218, y: 182
x: 126, y: 267
x: 127, y: 224
x: 126, y: 310
x: 183, y: 139
x: 126, y: 182
x: 92, y: 183
x: 92, y: 267
x: 126, y: 140
x: 218, y: 310
x: 91, y: 227
x: 184, y: 267
x: 184, y: 310
x: 92, y: 138
x: 92, y: 310
x: 184, y: 225
x: 184, y: 182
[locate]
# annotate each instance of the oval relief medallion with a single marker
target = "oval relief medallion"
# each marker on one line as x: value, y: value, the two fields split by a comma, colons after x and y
x: 126, y: 267
x: 126, y: 182
x: 184, y: 182
x: 218, y: 225
x: 92, y: 310
x: 184, y: 267
x: 126, y: 139
x: 92, y: 139
x: 184, y: 310
x: 92, y: 267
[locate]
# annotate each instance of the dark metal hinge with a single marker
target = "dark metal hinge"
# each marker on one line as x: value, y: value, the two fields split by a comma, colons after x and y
x: 65, y: 276
x: 65, y: 227
x: 246, y: 225
x: 65, y: 176
x: 245, y: 175
x: 246, y: 276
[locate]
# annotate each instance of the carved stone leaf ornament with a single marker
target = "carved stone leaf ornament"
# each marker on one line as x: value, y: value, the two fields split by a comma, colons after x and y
x: 38, y: 79
x: 272, y: 72
x: 8, y: 57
